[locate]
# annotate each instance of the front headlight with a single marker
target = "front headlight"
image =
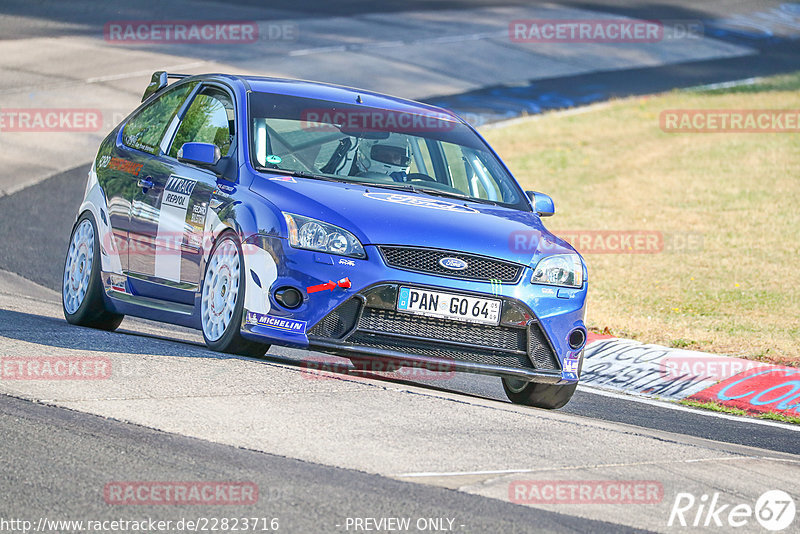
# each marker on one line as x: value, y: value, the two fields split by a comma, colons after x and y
x: 559, y: 270
x: 311, y: 234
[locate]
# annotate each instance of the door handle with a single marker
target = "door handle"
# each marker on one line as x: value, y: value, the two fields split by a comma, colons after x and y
x: 145, y: 183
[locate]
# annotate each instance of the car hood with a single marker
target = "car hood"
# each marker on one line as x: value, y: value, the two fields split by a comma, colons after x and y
x: 380, y: 216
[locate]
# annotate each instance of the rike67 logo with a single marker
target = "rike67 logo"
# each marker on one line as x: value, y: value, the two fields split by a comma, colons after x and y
x: 774, y: 510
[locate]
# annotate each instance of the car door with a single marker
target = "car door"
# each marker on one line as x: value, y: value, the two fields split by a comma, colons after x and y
x: 141, y: 149
x: 124, y: 161
x: 174, y: 209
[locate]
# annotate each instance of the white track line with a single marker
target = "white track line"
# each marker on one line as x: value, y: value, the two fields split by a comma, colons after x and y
x: 577, y: 110
x: 724, y: 85
x: 134, y: 74
x: 101, y: 79
x: 356, y: 47
x: 680, y: 408
x: 577, y: 467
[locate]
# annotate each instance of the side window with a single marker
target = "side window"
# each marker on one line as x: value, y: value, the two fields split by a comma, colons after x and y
x: 482, y: 185
x: 145, y: 130
x: 457, y: 165
x: 421, y: 161
x: 209, y: 119
x: 325, y: 152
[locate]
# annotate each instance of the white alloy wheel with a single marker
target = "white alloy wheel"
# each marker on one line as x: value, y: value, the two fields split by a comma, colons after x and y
x: 220, y: 289
x: 78, y: 266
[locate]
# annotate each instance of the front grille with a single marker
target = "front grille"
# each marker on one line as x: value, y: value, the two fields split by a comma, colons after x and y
x: 390, y: 321
x: 420, y: 348
x: 442, y: 338
x: 426, y: 260
x: 539, y: 349
x: 370, y: 320
x: 338, y: 322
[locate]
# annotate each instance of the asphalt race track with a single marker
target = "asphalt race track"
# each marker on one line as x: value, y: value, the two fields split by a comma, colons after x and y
x: 326, y: 449
x: 76, y: 441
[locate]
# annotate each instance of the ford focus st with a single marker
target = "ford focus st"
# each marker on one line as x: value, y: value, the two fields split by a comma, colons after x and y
x: 266, y: 211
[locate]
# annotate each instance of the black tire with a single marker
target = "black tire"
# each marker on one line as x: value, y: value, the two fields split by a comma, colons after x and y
x: 91, y: 312
x: 231, y: 341
x: 547, y: 396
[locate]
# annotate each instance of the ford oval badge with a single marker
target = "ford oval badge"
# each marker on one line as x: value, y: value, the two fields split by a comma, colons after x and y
x: 454, y: 264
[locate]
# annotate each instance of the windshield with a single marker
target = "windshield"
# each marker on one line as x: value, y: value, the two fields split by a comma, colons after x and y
x: 355, y: 143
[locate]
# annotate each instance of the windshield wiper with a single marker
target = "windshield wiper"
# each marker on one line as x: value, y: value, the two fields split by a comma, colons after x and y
x: 396, y: 186
x: 460, y: 196
x: 431, y: 191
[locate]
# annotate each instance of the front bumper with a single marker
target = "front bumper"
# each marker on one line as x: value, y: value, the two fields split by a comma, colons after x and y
x: 364, y: 321
x: 368, y: 324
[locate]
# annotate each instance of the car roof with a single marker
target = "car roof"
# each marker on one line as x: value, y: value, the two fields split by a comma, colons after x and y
x: 333, y: 93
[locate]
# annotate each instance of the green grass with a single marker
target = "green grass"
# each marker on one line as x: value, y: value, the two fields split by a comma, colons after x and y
x: 721, y: 408
x: 780, y: 417
x: 613, y: 168
x: 788, y: 82
x: 682, y: 343
x: 713, y: 406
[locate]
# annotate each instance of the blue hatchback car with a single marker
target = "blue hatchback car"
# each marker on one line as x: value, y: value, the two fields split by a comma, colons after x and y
x: 269, y: 211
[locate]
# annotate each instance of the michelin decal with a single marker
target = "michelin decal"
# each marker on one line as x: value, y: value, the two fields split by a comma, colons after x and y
x: 292, y: 326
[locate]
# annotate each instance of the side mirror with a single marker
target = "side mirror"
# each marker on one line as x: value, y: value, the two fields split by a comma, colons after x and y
x: 542, y: 204
x: 201, y: 154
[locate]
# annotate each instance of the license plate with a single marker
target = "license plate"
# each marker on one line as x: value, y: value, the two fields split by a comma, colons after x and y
x: 449, y: 306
